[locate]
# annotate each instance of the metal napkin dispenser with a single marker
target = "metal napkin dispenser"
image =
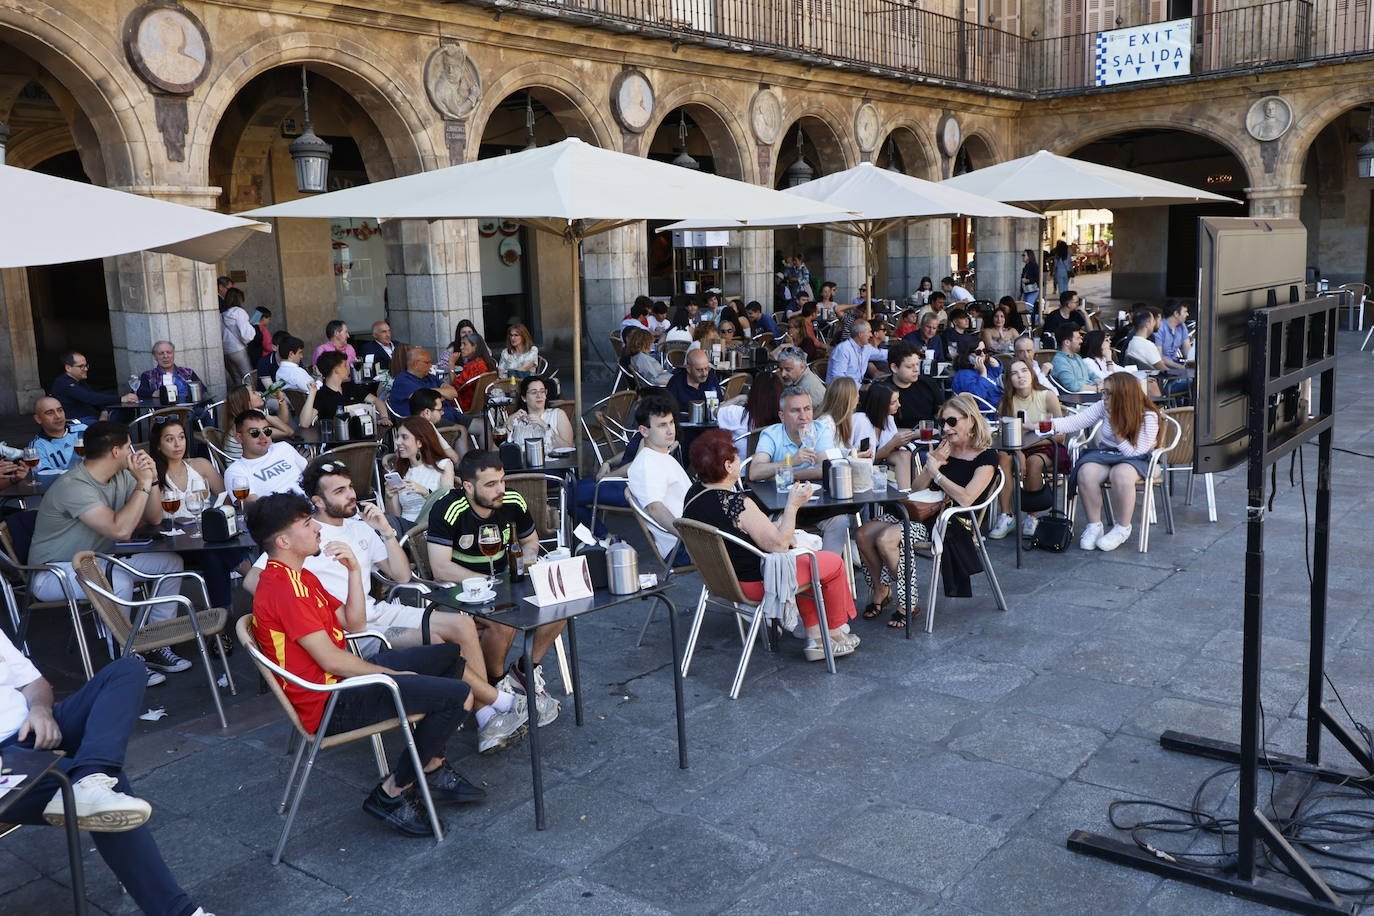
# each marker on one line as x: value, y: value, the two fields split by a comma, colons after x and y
x: 837, y: 476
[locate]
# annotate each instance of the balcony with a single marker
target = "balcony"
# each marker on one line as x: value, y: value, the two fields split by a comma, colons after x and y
x: 898, y: 40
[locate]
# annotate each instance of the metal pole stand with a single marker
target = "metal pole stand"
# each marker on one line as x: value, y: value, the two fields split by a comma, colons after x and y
x: 1289, y: 345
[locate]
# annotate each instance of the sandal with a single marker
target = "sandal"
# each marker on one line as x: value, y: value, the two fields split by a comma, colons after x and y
x: 898, y: 619
x: 874, y: 610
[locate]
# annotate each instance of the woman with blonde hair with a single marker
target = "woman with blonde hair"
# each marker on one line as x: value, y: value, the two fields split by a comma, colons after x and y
x: 958, y: 470
x: 1131, y: 424
x: 837, y: 410
x: 521, y: 356
x: 1026, y: 396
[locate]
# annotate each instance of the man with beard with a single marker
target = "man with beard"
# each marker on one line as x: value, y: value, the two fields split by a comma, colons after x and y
x: 455, y: 523
x: 501, y: 715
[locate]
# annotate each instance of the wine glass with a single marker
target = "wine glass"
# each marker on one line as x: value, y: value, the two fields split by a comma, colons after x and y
x: 195, y: 504
x: 133, y: 384
x: 238, y: 486
x: 489, y: 542
x: 30, y: 458
x: 171, y: 502
x: 499, y: 425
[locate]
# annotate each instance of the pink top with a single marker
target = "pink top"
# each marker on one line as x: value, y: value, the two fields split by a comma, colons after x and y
x: 327, y: 346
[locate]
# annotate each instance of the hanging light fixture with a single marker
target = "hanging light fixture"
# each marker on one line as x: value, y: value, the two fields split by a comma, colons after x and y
x: 309, y: 153
x: 529, y: 121
x: 798, y: 172
x: 893, y: 157
x: 4, y: 140
x: 1364, y: 156
x: 683, y: 157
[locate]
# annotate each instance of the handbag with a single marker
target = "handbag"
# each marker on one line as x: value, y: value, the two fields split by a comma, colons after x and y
x: 1055, y: 530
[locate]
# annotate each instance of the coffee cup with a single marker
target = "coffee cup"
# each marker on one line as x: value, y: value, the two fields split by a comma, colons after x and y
x: 474, y: 587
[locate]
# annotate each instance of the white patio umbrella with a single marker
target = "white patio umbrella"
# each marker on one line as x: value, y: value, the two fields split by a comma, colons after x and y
x: 569, y: 189
x: 53, y: 220
x: 1043, y: 181
x: 886, y: 200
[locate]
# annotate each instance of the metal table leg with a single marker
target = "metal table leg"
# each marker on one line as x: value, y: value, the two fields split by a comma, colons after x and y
x: 576, y: 669
x: 73, y: 843
x: 1016, y: 475
x: 536, y: 763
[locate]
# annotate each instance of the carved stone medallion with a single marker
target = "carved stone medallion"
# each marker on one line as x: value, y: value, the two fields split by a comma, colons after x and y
x: 167, y: 46
x: 765, y: 116
x: 866, y: 126
x: 452, y: 82
x: 1269, y: 118
x: 632, y: 100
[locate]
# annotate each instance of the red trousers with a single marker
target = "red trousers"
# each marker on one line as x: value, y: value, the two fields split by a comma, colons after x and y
x: 839, y: 600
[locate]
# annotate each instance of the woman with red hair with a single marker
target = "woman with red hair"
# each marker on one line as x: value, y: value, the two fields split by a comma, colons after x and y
x: 715, y: 501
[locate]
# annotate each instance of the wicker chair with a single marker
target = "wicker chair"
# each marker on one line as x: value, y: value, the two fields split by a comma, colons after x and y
x: 296, y: 398
x: 15, y: 569
x: 136, y: 634
x: 141, y: 429
x: 274, y: 675
x: 361, y: 458
x: 1181, y: 459
x: 735, y: 385
x: 536, y: 488
x: 820, y: 367
x: 721, y: 587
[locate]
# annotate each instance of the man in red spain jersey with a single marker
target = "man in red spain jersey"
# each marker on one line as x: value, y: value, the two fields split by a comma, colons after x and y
x: 301, y: 627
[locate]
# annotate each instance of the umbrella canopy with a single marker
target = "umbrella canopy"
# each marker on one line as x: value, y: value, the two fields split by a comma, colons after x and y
x: 570, y: 189
x: 55, y: 220
x: 886, y: 199
x: 1043, y: 181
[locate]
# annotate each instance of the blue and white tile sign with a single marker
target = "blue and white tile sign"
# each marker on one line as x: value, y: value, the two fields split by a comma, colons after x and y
x: 1144, y: 52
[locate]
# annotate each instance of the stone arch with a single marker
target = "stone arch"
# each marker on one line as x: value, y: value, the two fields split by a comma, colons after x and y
x: 386, y: 95
x: 831, y: 141
x: 917, y: 156
x: 727, y: 137
x: 1246, y: 153
x: 557, y: 88
x: 76, y: 51
x: 981, y: 150
x: 1308, y: 125
x: 36, y: 148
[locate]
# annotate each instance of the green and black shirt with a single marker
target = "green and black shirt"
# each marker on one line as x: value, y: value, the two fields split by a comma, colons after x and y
x: 454, y: 524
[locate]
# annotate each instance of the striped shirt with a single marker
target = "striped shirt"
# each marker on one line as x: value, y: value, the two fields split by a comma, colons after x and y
x: 454, y: 523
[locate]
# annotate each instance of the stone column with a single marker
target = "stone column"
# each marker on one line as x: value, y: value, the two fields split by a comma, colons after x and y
x: 843, y: 265
x: 997, y: 259
x: 614, y: 272
x: 18, y: 363
x: 919, y: 250
x: 163, y: 297
x: 756, y: 267
x: 433, y: 279
x: 1276, y: 201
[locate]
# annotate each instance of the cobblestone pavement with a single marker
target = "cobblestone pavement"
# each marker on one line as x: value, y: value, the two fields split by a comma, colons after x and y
x: 940, y: 774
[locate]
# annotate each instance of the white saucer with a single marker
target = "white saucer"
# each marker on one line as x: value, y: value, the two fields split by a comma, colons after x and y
x: 562, y: 452
x: 480, y: 599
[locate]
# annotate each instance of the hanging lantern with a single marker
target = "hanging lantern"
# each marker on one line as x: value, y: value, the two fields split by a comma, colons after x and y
x: 683, y: 157
x: 798, y: 172
x: 1364, y: 156
x: 529, y: 122
x: 309, y: 153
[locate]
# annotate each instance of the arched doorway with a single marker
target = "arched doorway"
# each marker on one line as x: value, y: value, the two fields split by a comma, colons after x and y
x: 1153, y: 250
x: 809, y: 149
x: 307, y: 272
x: 696, y: 137
x: 1337, y: 206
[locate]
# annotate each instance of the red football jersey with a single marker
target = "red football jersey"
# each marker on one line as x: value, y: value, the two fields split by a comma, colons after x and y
x: 287, y: 606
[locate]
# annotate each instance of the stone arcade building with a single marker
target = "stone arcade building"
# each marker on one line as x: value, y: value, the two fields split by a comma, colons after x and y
x: 196, y: 102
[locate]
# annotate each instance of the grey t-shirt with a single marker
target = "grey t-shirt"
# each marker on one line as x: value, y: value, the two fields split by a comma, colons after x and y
x: 59, y: 533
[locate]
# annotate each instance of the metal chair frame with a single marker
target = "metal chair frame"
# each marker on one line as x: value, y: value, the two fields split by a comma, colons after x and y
x: 975, y: 514
x: 1157, y: 475
x: 295, y: 788
x: 647, y: 525
x: 20, y: 614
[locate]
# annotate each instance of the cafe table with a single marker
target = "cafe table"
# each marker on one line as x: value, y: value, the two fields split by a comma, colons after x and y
x: 775, y: 500
x: 1028, y: 440
x: 35, y: 765
x: 510, y: 608
x: 154, y: 539
x: 31, y: 487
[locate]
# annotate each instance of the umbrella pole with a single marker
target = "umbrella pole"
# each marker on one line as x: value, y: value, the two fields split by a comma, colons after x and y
x: 573, y: 242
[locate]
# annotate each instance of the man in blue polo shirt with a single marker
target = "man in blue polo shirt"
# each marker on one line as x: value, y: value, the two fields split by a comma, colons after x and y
x: 416, y: 376
x: 1172, y: 334
x: 793, y: 438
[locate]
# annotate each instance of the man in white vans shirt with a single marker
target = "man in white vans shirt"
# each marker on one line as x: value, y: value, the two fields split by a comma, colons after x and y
x: 267, y: 467
x: 501, y: 716
x: 657, y: 479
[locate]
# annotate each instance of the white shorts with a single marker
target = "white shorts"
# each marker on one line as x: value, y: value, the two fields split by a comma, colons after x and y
x: 386, y: 616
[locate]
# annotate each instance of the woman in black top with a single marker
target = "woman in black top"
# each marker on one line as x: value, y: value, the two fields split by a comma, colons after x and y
x: 717, y: 503
x: 957, y: 471
x: 338, y: 392
x: 1030, y: 277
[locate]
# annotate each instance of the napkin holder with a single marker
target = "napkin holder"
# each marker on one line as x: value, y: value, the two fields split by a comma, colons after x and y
x: 219, y: 523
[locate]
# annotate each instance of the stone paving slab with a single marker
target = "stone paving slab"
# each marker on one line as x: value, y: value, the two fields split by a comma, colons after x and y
x: 936, y: 775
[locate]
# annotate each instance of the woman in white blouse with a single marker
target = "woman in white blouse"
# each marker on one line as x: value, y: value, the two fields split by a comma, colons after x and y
x: 235, y: 334
x: 423, y: 468
x: 536, y: 420
x: 521, y: 356
x: 877, y: 421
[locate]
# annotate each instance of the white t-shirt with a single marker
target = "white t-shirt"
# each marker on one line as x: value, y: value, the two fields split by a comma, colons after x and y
x: 15, y: 671
x: 682, y: 334
x: 426, y: 476
x: 1144, y: 350
x: 293, y: 376
x: 279, y: 471
x: 861, y: 428
x: 658, y: 478
x: 366, y: 545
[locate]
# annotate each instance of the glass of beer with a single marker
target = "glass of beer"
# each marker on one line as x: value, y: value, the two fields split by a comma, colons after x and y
x: 489, y: 538
x: 80, y: 446
x: 30, y: 458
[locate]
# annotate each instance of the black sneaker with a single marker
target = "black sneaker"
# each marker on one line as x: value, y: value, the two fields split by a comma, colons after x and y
x: 405, y: 813
x: 448, y: 785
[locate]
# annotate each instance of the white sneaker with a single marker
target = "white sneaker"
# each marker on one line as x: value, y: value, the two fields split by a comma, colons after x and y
x: 504, y: 727
x: 1028, y: 525
x: 1005, y: 525
x: 100, y: 808
x: 1090, y: 537
x: 1114, y: 538
x: 545, y: 705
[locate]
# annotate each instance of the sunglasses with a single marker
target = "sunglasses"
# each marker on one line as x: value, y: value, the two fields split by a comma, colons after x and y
x: 259, y: 432
x: 950, y: 421
x: 333, y: 467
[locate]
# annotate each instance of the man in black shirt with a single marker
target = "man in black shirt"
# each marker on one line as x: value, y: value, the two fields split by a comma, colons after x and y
x: 957, y: 336
x: 453, y: 543
x: 920, y: 396
x: 79, y: 400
